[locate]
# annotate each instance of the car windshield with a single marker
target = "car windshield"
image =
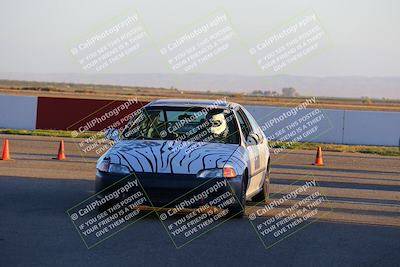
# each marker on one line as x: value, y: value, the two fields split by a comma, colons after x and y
x: 183, y: 124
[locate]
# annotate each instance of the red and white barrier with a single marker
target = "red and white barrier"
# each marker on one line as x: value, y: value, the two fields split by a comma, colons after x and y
x: 338, y: 126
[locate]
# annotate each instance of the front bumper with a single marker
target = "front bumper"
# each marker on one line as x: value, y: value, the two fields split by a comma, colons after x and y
x: 169, y: 189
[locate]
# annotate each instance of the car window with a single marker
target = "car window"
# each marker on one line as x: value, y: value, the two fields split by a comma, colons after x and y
x: 244, y: 124
x: 253, y: 122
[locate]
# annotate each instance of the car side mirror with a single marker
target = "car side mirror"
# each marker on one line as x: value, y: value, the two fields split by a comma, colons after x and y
x: 112, y: 134
x: 253, y: 139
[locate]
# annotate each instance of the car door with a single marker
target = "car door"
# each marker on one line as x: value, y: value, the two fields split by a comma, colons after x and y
x: 255, y: 151
x: 263, y: 145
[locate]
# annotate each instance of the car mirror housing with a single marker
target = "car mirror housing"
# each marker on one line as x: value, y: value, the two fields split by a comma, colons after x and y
x: 112, y: 134
x: 253, y: 139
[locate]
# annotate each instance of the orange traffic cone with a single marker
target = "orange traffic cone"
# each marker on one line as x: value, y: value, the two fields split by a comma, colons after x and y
x: 61, y: 154
x: 6, y: 151
x: 318, y: 159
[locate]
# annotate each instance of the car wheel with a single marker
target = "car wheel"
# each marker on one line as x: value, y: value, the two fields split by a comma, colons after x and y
x: 263, y: 195
x: 237, y: 210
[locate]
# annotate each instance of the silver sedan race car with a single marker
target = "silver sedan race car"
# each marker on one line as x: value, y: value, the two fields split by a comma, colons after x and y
x: 176, y: 147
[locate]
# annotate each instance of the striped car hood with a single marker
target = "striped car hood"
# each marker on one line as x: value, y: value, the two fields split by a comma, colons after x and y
x: 175, y: 157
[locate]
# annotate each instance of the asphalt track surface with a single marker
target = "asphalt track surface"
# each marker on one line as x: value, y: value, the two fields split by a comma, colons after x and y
x: 358, y: 226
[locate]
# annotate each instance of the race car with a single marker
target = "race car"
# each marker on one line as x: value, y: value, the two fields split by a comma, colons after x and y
x: 176, y: 147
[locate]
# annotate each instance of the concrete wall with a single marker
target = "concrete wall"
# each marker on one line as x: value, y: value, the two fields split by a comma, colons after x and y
x: 334, y: 126
x: 307, y: 125
x: 329, y: 128
x: 18, y: 112
x: 369, y: 127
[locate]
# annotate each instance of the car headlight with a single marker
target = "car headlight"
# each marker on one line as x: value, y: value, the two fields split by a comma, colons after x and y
x: 103, y: 165
x: 117, y: 168
x: 106, y: 166
x: 226, y: 172
x: 210, y: 173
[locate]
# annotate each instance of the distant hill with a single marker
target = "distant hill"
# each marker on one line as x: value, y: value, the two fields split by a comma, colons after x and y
x: 343, y: 86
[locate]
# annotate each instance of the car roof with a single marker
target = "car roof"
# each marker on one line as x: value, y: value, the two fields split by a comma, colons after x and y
x: 192, y: 103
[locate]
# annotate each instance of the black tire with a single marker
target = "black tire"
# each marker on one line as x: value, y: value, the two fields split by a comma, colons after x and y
x: 237, y: 210
x: 263, y: 195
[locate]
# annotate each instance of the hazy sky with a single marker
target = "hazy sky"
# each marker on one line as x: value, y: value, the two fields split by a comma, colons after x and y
x: 36, y: 36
